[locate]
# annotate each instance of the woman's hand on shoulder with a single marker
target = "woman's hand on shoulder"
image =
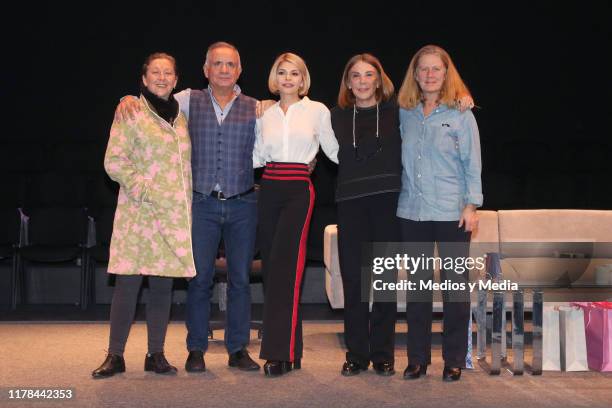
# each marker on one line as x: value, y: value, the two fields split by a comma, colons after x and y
x: 262, y: 106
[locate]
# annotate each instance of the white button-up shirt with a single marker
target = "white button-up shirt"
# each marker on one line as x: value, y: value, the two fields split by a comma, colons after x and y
x: 294, y: 136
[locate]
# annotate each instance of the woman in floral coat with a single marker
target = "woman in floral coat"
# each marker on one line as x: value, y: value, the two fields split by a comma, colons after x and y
x: 150, y: 158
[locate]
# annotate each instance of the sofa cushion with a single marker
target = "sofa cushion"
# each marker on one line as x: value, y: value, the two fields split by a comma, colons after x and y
x: 531, y: 259
x: 555, y: 225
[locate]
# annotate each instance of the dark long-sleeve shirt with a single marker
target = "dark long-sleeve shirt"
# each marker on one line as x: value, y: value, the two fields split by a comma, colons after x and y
x: 373, y: 167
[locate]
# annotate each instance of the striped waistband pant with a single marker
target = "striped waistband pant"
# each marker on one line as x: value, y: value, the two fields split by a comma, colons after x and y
x: 285, y: 206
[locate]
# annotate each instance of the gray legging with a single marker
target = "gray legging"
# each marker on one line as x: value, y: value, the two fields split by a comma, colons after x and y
x: 123, y: 309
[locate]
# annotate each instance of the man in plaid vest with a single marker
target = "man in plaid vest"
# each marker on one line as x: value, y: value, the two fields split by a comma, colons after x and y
x: 222, y: 130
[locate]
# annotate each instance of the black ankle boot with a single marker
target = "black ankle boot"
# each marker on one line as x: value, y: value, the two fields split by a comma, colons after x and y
x: 275, y: 368
x: 112, y: 365
x: 157, y: 362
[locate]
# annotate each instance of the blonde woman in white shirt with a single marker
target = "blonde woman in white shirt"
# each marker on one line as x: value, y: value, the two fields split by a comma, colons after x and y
x: 288, y: 138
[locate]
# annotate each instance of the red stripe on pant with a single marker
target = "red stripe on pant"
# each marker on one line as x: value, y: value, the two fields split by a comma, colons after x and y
x: 299, y: 270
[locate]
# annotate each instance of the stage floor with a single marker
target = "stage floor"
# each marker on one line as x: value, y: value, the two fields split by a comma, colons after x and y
x: 62, y: 354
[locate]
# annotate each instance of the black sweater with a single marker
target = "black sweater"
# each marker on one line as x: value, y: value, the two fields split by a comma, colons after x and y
x: 372, y: 170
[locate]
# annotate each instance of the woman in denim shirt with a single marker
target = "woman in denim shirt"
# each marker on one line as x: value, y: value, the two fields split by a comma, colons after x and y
x: 441, y: 189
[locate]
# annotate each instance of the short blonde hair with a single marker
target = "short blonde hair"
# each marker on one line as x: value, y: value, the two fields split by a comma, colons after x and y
x: 301, y: 66
x: 384, y: 90
x: 453, y: 88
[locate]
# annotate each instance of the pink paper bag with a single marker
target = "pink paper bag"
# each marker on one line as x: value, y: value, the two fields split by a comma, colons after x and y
x: 598, y: 329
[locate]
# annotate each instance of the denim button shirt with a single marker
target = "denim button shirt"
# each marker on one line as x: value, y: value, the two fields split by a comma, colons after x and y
x: 441, y: 164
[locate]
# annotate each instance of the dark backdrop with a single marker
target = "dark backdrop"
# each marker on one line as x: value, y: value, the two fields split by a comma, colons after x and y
x: 539, y: 70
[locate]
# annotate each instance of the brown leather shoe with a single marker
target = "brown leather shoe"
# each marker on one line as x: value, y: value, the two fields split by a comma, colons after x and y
x: 195, y: 362
x: 242, y: 361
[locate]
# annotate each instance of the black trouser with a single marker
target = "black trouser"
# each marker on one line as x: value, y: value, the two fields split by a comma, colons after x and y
x: 285, y: 205
x: 123, y: 308
x: 456, y: 307
x: 368, y: 337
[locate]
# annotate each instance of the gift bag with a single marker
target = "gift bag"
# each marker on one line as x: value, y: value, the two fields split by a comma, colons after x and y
x: 469, y: 363
x: 572, y: 339
x: 551, y: 354
x: 598, y: 328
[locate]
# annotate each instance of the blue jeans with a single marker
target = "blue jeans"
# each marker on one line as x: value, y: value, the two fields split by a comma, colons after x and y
x: 236, y: 221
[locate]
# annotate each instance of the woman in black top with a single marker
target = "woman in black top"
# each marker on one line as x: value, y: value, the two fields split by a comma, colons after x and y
x: 366, y: 124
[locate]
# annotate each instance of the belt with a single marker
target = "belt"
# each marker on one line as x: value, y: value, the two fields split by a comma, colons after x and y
x: 219, y: 194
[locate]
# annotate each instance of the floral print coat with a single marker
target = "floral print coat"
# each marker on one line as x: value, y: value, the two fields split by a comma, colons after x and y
x: 151, y: 161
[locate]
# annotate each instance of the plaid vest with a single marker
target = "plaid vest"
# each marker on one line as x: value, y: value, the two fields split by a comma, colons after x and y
x: 221, y: 153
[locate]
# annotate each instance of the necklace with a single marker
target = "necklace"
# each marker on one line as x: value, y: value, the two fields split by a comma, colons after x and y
x: 378, y: 146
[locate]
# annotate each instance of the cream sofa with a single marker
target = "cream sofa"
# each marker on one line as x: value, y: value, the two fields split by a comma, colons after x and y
x: 500, y: 231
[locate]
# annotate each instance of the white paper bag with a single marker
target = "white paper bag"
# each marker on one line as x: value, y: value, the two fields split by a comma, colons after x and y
x: 603, y: 275
x: 572, y: 339
x: 551, y: 354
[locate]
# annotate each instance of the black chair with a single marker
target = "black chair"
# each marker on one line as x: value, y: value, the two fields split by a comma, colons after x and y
x: 220, y: 281
x: 101, y: 201
x: 10, y: 240
x: 11, y: 230
x: 56, y: 238
x: 56, y: 233
x: 98, y: 251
